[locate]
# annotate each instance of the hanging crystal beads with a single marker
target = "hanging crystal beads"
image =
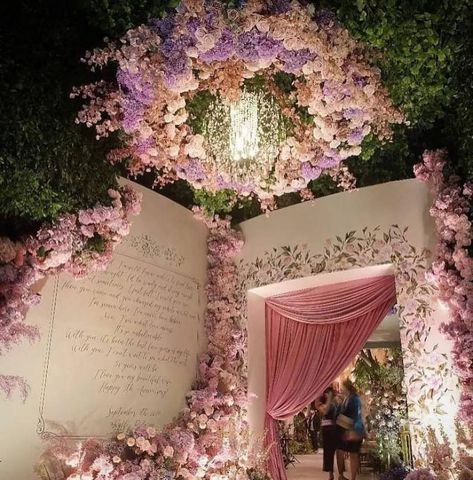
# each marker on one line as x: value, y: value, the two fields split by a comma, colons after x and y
x: 243, y: 138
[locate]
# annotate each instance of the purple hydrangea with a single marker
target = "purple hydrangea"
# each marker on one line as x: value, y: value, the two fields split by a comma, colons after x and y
x: 223, y: 49
x: 211, y: 20
x: 352, y: 113
x: 280, y: 6
x: 136, y: 87
x: 176, y: 46
x: 133, y: 112
x: 330, y: 160
x: 246, y: 46
x: 325, y: 18
x: 396, y: 473
x: 255, y: 45
x: 194, y: 170
x: 356, y: 137
x: 165, y: 26
x: 294, y: 60
x: 192, y: 25
x: 145, y: 145
x: 268, y: 48
x: 359, y: 80
x: 310, y: 172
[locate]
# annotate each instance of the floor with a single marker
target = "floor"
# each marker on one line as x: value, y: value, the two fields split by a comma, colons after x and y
x: 309, y: 467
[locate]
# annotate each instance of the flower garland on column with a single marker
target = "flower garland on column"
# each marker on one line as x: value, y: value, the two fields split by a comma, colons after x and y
x: 79, y: 244
x: 210, y: 437
x: 452, y: 271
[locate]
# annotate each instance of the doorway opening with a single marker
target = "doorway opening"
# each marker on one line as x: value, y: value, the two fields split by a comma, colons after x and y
x: 380, y: 352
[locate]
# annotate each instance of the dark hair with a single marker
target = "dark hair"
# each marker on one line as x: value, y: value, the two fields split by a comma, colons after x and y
x: 329, y: 390
x: 350, y: 386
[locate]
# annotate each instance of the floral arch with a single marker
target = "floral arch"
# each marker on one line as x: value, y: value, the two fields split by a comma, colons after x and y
x: 429, y: 378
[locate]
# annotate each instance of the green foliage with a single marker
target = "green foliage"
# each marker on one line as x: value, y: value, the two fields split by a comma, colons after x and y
x: 48, y: 164
x: 300, y: 447
x: 414, y: 55
x: 425, y: 52
x: 114, y: 17
x: 386, y: 401
x: 221, y: 202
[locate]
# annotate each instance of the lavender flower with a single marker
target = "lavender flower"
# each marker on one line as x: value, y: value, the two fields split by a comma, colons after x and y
x: 133, y: 113
x: 359, y: 80
x: 223, y: 49
x: 352, y: 113
x: 165, y: 26
x: 193, y: 24
x: 279, y: 6
x: 356, y: 137
x: 136, y: 87
x: 310, y: 172
x: 329, y: 161
x: 194, y: 170
x: 326, y: 18
x: 294, y: 60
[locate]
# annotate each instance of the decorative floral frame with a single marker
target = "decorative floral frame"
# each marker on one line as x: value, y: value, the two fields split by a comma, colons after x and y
x: 332, y: 93
x: 429, y: 378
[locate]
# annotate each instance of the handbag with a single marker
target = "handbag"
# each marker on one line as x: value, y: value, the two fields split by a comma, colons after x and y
x: 345, y: 422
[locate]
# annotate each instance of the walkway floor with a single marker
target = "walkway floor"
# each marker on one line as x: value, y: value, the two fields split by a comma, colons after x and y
x: 309, y: 467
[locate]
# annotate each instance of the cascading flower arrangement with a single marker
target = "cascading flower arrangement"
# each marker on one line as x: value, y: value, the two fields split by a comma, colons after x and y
x: 382, y: 382
x: 76, y: 243
x: 452, y: 271
x: 177, y: 76
x: 210, y: 437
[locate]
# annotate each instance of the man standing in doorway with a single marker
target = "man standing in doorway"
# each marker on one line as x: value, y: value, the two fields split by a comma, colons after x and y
x: 313, y: 427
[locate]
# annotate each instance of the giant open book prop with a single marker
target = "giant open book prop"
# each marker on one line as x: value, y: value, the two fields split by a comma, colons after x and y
x: 118, y: 348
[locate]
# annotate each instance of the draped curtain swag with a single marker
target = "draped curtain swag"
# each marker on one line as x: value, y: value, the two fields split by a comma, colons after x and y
x: 311, y: 337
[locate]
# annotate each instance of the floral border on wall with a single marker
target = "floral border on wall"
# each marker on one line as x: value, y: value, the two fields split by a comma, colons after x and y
x: 430, y: 380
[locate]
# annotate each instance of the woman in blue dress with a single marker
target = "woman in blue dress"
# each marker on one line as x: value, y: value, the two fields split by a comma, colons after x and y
x: 350, y: 430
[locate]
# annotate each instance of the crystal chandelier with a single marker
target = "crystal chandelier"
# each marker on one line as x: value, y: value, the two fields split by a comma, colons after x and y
x: 243, y: 138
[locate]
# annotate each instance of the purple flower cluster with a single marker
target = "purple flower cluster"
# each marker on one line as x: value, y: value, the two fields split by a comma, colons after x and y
x: 254, y: 45
x: 356, y: 137
x: 279, y: 6
x: 330, y: 160
x: 136, y: 86
x: 294, y: 60
x: 194, y: 170
x: 164, y: 26
x: 139, y: 94
x: 176, y: 63
x: 396, y: 473
x: 309, y: 172
x: 223, y: 49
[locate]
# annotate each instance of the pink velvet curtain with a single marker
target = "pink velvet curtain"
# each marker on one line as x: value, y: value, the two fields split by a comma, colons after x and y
x: 311, y: 336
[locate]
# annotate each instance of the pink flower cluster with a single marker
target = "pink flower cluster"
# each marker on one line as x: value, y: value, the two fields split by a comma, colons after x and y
x: 77, y: 244
x: 452, y: 271
x: 209, y: 439
x: 204, y: 46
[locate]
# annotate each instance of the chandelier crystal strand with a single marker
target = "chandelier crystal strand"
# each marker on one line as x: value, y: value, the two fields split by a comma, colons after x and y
x: 244, y: 133
x: 243, y: 138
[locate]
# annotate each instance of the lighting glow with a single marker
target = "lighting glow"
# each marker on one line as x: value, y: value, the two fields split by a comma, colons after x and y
x: 243, y: 138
